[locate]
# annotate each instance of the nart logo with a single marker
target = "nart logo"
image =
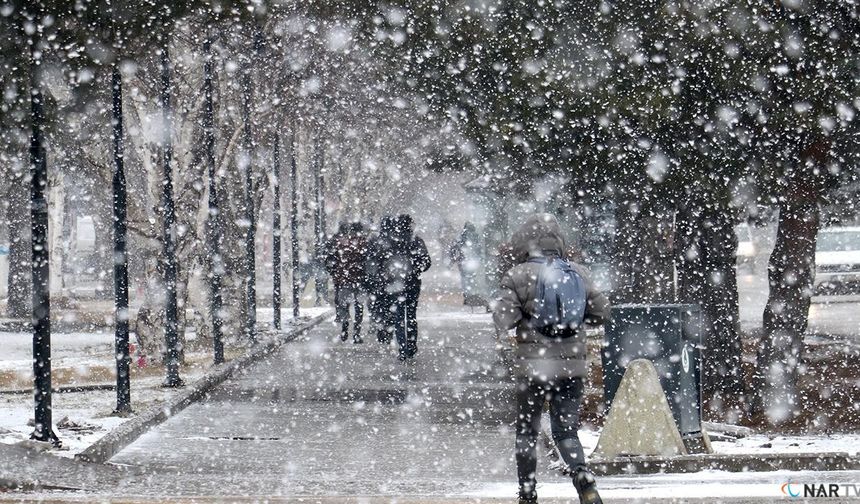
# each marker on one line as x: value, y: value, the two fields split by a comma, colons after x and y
x: 794, y: 489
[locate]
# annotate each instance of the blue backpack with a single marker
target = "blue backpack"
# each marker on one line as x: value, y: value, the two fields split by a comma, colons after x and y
x: 560, y: 299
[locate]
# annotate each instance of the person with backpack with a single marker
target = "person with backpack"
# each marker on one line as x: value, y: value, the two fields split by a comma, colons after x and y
x: 549, y: 301
x: 345, y: 261
x: 405, y: 259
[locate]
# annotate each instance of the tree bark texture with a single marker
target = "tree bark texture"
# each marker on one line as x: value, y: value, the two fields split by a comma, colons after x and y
x: 19, y: 302
x: 706, y: 249
x: 791, y: 272
x: 171, y: 336
x: 642, y: 254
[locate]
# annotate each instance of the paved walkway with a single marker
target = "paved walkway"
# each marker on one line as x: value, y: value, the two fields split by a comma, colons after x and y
x: 324, y: 417
x: 324, y: 421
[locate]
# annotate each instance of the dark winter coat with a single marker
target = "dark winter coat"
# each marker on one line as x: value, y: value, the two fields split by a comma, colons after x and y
x: 345, y: 259
x: 536, y: 356
x: 399, y: 261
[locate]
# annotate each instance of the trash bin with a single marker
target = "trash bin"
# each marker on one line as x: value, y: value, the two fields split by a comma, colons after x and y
x: 669, y: 336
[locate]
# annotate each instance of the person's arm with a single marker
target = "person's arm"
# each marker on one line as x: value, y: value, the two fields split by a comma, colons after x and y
x: 596, y: 305
x: 330, y: 258
x: 508, y: 309
x: 596, y: 308
x: 420, y: 255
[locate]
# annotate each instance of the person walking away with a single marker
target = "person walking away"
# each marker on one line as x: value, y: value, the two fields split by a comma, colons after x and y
x: 403, y: 265
x: 378, y: 249
x: 548, y: 300
x: 345, y: 261
x: 466, y: 254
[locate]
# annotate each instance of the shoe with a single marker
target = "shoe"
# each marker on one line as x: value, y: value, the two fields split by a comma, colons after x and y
x: 527, y: 498
x: 586, y: 487
x: 357, y: 341
x: 344, y: 336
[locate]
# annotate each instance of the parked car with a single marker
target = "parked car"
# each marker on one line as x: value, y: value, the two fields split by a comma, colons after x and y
x: 837, y: 260
x: 746, y: 252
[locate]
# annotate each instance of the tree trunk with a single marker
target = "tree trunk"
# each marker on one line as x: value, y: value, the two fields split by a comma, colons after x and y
x: 213, y: 221
x: 642, y: 249
x: 40, y: 259
x: 706, y: 246
x: 251, y: 231
x: 276, y: 234
x: 56, y: 214
x: 169, y: 252
x: 791, y: 271
x: 294, y: 226
x: 120, y: 257
x: 19, y: 302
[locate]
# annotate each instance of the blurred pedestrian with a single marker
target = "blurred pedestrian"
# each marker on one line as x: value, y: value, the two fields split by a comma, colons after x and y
x: 466, y: 254
x: 550, y: 347
x: 345, y: 260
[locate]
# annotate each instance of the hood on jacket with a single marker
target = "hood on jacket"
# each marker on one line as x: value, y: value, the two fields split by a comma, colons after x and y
x: 539, y: 235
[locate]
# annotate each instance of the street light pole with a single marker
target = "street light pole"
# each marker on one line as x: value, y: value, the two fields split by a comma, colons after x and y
x: 276, y: 234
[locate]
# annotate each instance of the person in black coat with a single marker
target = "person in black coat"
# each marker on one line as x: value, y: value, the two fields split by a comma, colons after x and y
x: 405, y: 260
x: 380, y: 301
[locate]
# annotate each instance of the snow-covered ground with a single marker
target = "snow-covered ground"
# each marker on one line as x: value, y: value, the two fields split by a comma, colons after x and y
x: 82, y: 418
x: 701, y: 485
x: 764, y: 444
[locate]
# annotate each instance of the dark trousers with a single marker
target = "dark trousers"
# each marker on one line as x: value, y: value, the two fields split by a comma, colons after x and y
x: 378, y: 304
x: 565, y: 399
x: 344, y: 296
x: 403, y: 321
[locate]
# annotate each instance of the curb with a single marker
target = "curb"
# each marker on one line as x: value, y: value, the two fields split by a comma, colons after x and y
x: 102, y: 450
x: 64, y: 389
x: 834, y: 461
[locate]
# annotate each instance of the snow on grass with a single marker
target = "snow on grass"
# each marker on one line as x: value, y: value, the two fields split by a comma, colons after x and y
x: 89, y: 413
x: 761, y: 444
x: 66, y: 348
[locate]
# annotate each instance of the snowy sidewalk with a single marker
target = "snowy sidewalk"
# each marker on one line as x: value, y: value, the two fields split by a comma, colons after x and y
x: 325, y: 417
x: 85, y: 359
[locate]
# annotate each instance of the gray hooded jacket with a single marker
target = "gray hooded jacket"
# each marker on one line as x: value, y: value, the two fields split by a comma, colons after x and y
x: 536, y: 356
